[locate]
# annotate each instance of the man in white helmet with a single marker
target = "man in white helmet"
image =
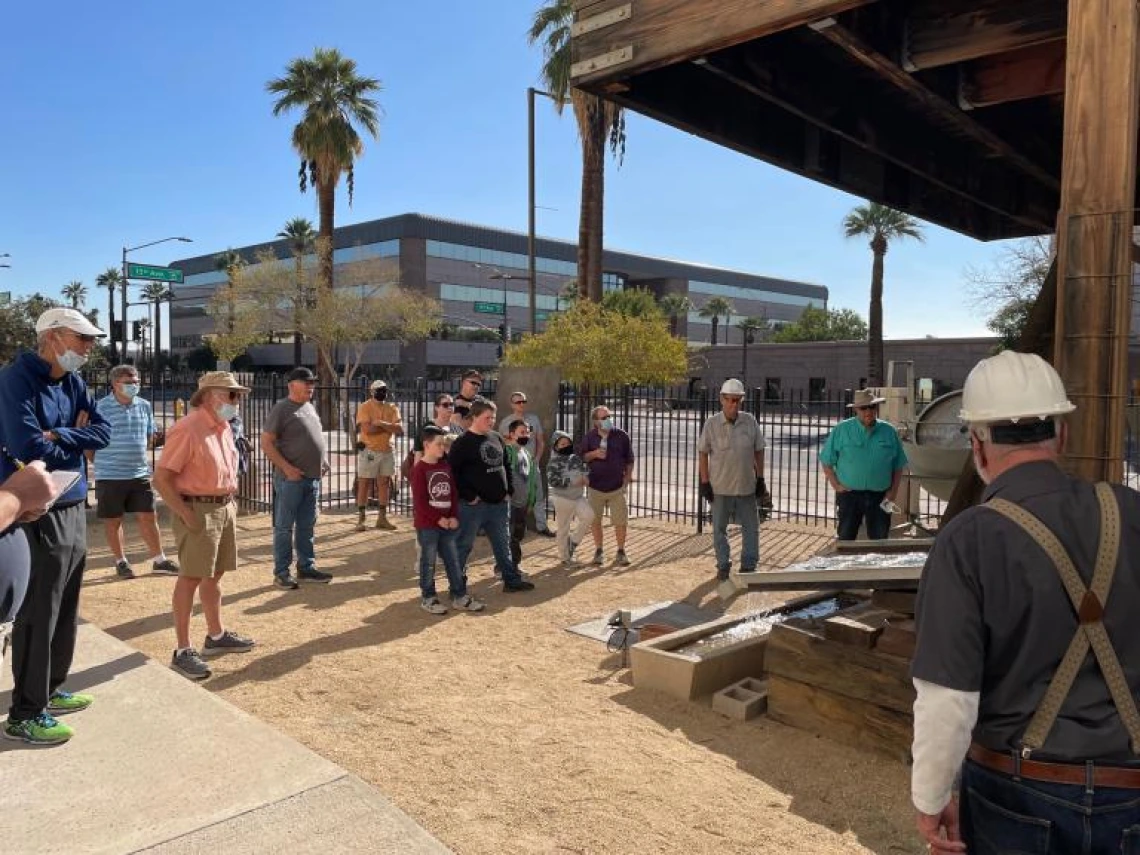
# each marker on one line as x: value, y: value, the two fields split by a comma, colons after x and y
x: 731, y: 460
x: 1003, y: 672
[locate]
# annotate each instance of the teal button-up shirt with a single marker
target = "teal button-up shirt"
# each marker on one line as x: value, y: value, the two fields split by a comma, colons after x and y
x: 863, y: 459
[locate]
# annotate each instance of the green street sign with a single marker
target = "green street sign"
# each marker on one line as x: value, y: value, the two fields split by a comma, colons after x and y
x: 542, y: 316
x: 153, y: 273
x: 489, y: 308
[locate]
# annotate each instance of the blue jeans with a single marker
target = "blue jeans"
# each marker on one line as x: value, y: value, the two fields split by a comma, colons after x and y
x: 441, y: 542
x: 493, y: 519
x: 294, y: 516
x: 999, y: 814
x: 854, y: 505
x: 744, y: 509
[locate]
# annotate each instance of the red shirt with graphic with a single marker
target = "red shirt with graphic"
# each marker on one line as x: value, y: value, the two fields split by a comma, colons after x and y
x: 433, y: 493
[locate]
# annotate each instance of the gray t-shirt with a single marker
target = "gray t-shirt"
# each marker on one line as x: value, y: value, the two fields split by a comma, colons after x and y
x: 732, y: 447
x: 532, y: 421
x: 993, y: 616
x: 300, y: 437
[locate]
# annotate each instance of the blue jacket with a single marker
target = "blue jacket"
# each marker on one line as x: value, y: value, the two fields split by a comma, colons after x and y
x: 34, y: 403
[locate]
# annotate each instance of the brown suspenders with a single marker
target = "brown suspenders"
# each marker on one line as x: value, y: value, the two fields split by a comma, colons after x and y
x: 1089, y: 605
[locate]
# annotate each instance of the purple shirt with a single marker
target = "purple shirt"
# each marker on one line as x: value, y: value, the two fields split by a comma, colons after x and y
x: 608, y: 475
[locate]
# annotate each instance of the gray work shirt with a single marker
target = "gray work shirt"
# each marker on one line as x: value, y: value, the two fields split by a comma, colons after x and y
x: 732, y: 447
x: 993, y: 616
x: 300, y: 437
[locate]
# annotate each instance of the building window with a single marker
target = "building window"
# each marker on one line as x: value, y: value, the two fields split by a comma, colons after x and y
x: 771, y: 390
x: 498, y: 258
x: 740, y: 293
x: 817, y: 388
x: 470, y: 294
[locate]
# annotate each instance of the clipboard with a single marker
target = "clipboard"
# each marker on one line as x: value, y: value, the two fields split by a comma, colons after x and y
x: 62, y: 481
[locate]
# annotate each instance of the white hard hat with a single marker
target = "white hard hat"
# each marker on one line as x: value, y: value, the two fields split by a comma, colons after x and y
x: 66, y: 319
x: 732, y: 387
x: 1013, y: 386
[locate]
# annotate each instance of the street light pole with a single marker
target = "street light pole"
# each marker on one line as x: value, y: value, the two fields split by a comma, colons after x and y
x: 126, y: 284
x: 532, y: 285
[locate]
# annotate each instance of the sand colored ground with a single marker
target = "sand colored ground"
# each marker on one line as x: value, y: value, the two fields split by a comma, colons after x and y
x: 503, y: 733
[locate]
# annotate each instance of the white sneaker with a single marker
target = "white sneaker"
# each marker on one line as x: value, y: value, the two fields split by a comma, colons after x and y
x: 467, y: 603
x: 432, y: 605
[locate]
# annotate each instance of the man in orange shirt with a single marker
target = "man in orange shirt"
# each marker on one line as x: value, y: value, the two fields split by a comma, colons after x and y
x: 378, y: 421
x: 197, y: 478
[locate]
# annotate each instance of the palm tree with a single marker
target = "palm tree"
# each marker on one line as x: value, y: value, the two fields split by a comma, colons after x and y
x: 301, y: 237
x: 112, y: 278
x: 749, y: 327
x: 334, y: 98
x: 883, y: 225
x: 674, y: 306
x: 600, y: 123
x: 230, y: 262
x: 75, y: 292
x: 715, y: 308
x: 156, y: 292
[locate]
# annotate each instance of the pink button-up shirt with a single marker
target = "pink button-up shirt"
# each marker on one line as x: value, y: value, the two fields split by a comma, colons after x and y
x: 200, y: 449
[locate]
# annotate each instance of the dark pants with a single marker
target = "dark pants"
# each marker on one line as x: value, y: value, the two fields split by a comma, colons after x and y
x: 517, y: 532
x: 15, y: 568
x: 854, y: 506
x: 43, y: 640
x: 999, y: 814
x: 493, y: 519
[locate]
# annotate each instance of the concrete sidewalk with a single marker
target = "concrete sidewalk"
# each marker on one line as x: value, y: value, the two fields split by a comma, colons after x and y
x: 161, y: 765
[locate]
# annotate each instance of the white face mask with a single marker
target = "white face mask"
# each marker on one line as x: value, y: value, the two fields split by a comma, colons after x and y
x: 130, y: 390
x: 227, y: 411
x: 69, y: 360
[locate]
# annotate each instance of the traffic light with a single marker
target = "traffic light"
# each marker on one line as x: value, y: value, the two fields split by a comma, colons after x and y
x: 504, y: 332
x: 136, y: 330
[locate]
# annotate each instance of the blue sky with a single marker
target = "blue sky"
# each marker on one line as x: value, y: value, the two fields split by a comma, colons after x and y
x: 132, y: 121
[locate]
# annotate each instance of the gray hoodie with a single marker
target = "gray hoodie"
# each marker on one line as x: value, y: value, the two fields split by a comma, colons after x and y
x: 566, y: 474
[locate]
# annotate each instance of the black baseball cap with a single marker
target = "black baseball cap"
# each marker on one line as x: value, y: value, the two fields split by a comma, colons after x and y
x: 301, y: 373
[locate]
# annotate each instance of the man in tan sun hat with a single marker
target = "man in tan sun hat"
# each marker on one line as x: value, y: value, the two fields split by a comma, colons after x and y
x: 863, y: 461
x: 197, y: 477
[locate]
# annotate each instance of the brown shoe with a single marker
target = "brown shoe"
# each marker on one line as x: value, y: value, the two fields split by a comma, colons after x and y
x: 383, y: 523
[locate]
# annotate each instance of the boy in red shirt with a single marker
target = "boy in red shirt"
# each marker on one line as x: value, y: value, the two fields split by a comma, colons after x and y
x: 435, y: 503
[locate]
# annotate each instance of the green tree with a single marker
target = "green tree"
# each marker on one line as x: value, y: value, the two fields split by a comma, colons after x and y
x: 717, y: 308
x: 1008, y: 288
x: 635, y: 302
x: 675, y: 306
x: 238, y: 318
x: 156, y: 292
x: 75, y: 292
x: 600, y: 122
x: 752, y: 328
x: 882, y: 225
x: 302, y: 239
x: 595, y: 347
x: 334, y: 99
x: 817, y: 324
x: 111, y: 278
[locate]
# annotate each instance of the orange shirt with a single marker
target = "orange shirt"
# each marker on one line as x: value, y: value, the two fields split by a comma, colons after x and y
x: 200, y: 449
x: 371, y: 411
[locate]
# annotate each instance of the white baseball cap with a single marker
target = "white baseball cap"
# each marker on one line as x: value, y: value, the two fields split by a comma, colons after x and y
x: 377, y: 384
x: 67, y: 319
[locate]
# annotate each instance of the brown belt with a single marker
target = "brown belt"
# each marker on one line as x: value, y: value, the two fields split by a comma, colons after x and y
x: 209, y: 500
x: 1056, y: 773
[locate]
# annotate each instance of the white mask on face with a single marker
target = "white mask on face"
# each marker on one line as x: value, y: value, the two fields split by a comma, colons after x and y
x: 69, y: 360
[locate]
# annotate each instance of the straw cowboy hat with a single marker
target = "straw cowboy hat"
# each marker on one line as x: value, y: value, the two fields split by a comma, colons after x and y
x: 215, y: 380
x: 865, y: 398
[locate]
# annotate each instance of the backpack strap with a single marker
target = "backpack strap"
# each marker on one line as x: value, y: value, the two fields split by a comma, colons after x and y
x: 1089, y: 603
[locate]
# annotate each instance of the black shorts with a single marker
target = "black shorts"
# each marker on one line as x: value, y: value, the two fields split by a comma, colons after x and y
x: 128, y: 496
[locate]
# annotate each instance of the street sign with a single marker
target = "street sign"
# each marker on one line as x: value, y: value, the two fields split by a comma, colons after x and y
x: 542, y: 316
x: 154, y: 273
x: 489, y: 308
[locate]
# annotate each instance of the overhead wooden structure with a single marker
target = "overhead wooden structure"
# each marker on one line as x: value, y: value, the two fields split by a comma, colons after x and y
x: 993, y: 118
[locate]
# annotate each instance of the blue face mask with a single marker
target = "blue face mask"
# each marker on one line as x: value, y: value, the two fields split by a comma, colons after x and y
x: 130, y: 389
x: 227, y: 411
x: 606, y: 424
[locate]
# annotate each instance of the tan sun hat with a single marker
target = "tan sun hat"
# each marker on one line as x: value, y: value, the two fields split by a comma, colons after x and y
x: 865, y: 398
x: 215, y: 380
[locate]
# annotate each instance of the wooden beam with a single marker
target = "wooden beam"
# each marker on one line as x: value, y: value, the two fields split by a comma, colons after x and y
x: 1030, y: 72
x: 663, y: 32
x: 949, y: 115
x: 1094, y: 229
x: 944, y: 32
x: 895, y: 578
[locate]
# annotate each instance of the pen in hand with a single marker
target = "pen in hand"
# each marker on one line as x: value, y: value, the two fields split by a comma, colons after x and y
x: 11, y: 458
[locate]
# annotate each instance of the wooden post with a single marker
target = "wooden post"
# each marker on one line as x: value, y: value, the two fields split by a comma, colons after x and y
x: 1094, y: 229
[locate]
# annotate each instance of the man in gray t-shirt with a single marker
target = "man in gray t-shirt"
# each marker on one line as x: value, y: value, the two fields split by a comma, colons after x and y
x: 538, y: 448
x: 294, y: 441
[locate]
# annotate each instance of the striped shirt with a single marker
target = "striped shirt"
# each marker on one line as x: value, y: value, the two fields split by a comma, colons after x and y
x: 131, y: 426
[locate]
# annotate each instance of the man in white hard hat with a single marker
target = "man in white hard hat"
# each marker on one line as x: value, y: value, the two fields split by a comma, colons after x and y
x: 731, y: 460
x: 378, y: 421
x: 49, y: 415
x: 1006, y: 614
x: 863, y: 461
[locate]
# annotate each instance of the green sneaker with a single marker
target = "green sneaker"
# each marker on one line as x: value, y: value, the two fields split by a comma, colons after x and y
x: 41, y: 730
x: 62, y: 702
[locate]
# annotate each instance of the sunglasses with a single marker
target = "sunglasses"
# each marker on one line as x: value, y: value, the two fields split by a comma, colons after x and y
x: 234, y: 396
x: 447, y: 405
x: 519, y: 401
x: 86, y: 339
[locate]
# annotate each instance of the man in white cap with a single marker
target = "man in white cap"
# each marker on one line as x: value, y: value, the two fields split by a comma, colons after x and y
x: 731, y: 462
x: 197, y: 477
x: 863, y: 460
x: 1048, y: 730
x: 378, y: 421
x: 49, y: 415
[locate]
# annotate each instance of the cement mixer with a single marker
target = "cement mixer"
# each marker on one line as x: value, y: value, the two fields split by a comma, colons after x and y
x: 937, y: 445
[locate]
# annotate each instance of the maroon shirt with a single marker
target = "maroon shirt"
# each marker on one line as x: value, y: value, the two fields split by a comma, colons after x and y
x: 433, y: 493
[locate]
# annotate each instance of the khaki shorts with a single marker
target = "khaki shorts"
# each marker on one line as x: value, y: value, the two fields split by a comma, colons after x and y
x: 213, y: 550
x: 615, y: 501
x: 375, y: 464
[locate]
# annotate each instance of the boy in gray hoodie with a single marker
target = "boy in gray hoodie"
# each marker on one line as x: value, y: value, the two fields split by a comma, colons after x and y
x: 566, y: 478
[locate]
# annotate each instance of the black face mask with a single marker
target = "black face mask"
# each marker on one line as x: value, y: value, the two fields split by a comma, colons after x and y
x: 564, y: 449
x: 523, y: 440
x: 380, y: 394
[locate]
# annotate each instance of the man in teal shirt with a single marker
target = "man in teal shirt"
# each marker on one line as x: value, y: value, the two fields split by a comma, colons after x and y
x: 863, y: 461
